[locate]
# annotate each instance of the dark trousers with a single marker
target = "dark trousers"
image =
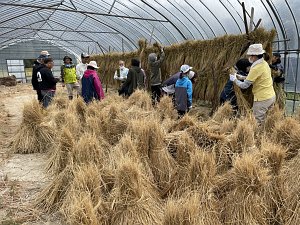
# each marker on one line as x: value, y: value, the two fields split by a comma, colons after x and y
x: 156, y: 93
x: 48, y: 95
x: 39, y: 95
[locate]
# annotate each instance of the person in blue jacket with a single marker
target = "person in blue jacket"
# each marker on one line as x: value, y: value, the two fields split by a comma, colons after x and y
x: 183, y: 91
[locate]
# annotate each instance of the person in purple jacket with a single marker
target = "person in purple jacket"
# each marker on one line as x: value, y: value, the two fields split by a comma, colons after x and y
x: 91, y: 84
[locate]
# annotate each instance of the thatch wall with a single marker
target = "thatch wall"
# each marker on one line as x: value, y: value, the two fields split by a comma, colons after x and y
x: 212, y: 59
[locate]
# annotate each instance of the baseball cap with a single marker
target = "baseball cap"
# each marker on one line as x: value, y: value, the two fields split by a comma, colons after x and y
x: 85, y: 55
x: 185, y: 68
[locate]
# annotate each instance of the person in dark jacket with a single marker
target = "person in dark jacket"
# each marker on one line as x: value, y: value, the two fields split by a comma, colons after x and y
x: 135, y: 79
x: 37, y: 65
x: 183, y: 91
x: 155, y: 74
x: 47, y: 82
x: 91, y: 84
x: 242, y: 67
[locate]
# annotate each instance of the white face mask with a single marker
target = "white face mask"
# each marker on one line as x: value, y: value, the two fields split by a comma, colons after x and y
x: 122, y: 67
x: 250, y: 60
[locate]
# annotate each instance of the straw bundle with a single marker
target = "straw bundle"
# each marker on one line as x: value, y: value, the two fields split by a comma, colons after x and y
x: 243, y: 204
x: 286, y: 132
x: 62, y: 153
x: 203, y: 137
x: 224, y: 112
x: 273, y: 157
x: 180, y: 145
x: 243, y: 137
x: 141, y: 99
x: 191, y: 209
x: 51, y: 198
x: 133, y: 202
x: 79, y: 107
x: 291, y: 210
x: 166, y: 108
x: 274, y: 116
x: 33, y: 135
x: 184, y: 123
x: 84, y: 203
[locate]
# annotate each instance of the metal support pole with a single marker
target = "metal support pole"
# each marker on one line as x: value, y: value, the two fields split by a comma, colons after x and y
x: 251, y: 19
x: 245, y: 18
x: 112, y: 6
x: 151, y: 36
x: 122, y: 45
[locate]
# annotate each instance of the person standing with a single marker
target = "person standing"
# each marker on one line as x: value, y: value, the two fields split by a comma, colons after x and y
x: 82, y: 67
x: 135, y: 79
x: 260, y: 77
x: 47, y: 82
x: 155, y: 74
x: 36, y: 67
x: 183, y: 91
x: 91, y: 84
x: 69, y: 78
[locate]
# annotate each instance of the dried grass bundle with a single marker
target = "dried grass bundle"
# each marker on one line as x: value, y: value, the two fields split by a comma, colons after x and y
x: 191, y: 209
x: 180, y: 145
x: 286, y: 132
x: 141, y: 99
x: 243, y: 137
x: 224, y: 112
x: 62, y: 153
x: 33, y: 135
x: 78, y: 107
x: 203, y: 137
x: 133, y: 202
x: 274, y: 116
x: 51, y: 198
x: 274, y: 193
x: 290, y: 212
x: 243, y: 204
x: 166, y: 108
x: 85, y: 203
x: 184, y: 123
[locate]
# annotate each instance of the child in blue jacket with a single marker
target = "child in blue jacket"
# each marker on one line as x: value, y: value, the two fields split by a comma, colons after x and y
x: 183, y: 91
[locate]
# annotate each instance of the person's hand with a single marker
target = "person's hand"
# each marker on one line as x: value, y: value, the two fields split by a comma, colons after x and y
x: 232, y: 77
x: 190, y: 107
x: 162, y: 49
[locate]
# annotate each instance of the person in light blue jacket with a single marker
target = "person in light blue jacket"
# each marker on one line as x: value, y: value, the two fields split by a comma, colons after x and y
x: 183, y: 91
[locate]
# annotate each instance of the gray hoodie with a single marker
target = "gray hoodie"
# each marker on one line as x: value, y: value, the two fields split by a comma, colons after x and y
x: 154, y: 66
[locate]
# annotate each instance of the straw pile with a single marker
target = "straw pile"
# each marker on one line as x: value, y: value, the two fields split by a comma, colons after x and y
x: 33, y: 135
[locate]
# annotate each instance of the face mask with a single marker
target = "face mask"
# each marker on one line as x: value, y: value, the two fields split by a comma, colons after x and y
x: 250, y: 60
x: 122, y: 67
x: 68, y: 65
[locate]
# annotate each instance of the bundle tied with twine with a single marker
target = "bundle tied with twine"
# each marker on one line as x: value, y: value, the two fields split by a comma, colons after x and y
x: 131, y: 200
x: 243, y: 202
x: 33, y: 135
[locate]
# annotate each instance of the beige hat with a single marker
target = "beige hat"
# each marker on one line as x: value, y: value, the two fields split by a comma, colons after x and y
x: 93, y: 64
x: 255, y: 49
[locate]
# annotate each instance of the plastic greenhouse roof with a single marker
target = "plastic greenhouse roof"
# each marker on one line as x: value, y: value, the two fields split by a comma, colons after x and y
x: 98, y: 26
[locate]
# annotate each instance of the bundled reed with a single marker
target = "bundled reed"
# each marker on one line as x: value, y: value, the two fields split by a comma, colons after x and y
x: 224, y: 112
x: 133, y: 202
x: 166, y: 108
x: 243, y: 202
x: 184, y: 123
x: 141, y: 99
x: 33, y: 135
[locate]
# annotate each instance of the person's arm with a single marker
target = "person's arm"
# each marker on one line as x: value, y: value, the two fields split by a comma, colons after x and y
x: 78, y: 72
x: 98, y: 87
x: 116, y: 75
x: 190, y: 93
x: 243, y: 85
x: 50, y: 78
x: 162, y: 56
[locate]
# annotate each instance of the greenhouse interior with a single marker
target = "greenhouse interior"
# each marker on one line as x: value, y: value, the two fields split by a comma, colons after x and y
x: 148, y: 112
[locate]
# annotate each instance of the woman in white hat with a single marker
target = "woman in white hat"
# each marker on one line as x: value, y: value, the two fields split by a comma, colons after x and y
x: 91, y: 84
x: 260, y: 77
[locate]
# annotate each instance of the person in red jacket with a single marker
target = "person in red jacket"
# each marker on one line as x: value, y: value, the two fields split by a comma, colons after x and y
x: 91, y: 84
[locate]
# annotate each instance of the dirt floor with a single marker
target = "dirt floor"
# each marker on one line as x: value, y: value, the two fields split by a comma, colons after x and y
x: 22, y: 176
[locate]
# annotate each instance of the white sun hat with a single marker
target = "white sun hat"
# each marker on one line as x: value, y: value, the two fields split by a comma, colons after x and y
x: 191, y: 74
x: 255, y: 49
x: 185, y: 68
x: 93, y: 64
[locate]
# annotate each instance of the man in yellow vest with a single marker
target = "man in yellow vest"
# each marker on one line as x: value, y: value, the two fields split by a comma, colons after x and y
x: 260, y: 77
x: 69, y: 78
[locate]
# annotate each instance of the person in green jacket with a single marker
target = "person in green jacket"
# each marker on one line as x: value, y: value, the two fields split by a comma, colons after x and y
x: 69, y: 77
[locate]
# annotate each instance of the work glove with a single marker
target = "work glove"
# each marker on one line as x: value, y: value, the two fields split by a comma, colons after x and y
x: 232, y: 77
